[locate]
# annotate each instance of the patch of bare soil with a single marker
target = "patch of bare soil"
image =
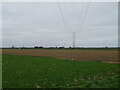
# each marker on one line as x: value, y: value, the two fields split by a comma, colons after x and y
x: 84, y: 55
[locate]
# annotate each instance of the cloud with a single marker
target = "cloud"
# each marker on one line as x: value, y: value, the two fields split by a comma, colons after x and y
x: 28, y: 24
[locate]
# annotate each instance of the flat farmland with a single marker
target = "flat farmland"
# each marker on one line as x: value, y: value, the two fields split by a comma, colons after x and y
x: 43, y: 68
x: 81, y: 55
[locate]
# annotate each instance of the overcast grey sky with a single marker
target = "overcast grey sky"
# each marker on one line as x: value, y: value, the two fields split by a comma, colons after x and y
x: 30, y: 24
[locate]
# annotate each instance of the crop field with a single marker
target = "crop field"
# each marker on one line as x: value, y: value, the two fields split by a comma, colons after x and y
x: 81, y: 55
x: 24, y: 68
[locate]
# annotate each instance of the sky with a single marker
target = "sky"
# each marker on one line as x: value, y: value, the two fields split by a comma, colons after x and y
x: 41, y: 24
x: 0, y: 24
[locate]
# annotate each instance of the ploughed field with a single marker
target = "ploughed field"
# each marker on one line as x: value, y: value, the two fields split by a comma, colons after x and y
x: 82, y: 55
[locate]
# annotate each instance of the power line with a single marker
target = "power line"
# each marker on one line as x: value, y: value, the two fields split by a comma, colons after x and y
x: 67, y: 15
x: 62, y: 16
x: 82, y: 23
x: 80, y: 18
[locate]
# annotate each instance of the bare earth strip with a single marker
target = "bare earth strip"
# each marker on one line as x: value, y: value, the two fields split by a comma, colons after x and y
x: 89, y: 55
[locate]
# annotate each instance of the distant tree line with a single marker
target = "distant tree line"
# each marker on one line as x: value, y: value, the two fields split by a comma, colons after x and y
x: 60, y: 47
x: 38, y: 47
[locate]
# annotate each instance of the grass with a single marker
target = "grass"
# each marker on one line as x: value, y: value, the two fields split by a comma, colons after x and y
x: 43, y: 72
x: 0, y: 71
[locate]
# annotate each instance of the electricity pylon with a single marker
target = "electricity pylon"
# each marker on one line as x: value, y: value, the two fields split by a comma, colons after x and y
x: 74, y: 40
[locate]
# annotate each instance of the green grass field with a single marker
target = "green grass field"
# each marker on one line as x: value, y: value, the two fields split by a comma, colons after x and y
x: 43, y: 72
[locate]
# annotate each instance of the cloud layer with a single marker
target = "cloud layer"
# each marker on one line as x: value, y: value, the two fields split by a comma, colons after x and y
x: 29, y: 24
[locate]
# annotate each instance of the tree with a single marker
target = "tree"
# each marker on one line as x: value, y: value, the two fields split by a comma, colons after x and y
x: 13, y: 47
x: 36, y: 47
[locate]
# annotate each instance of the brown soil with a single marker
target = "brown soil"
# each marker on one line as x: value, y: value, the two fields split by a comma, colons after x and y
x: 89, y: 55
